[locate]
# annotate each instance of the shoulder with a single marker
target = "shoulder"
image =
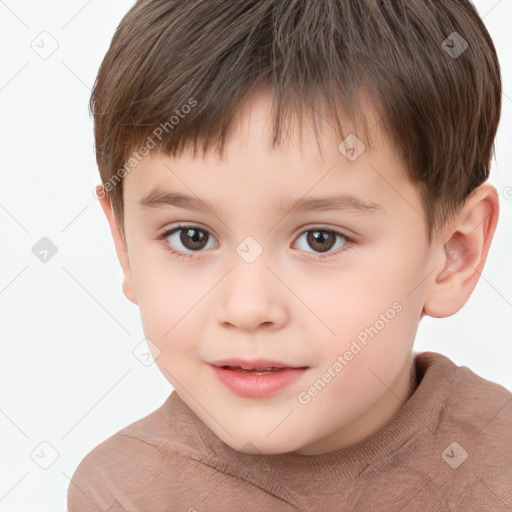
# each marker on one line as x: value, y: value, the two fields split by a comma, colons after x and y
x: 479, y: 406
x: 471, y: 441
x: 470, y: 401
x: 144, y: 458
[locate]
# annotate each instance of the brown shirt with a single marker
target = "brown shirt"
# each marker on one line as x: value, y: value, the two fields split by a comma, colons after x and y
x: 448, y: 448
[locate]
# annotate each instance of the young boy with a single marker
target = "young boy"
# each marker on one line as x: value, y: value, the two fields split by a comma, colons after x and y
x: 282, y: 271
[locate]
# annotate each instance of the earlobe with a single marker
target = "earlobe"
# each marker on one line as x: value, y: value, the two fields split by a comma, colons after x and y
x: 119, y: 243
x: 463, y: 255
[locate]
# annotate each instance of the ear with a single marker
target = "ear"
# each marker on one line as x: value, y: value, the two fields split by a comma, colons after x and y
x: 119, y: 242
x: 463, y: 254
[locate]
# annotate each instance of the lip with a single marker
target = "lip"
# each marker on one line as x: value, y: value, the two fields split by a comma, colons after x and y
x: 257, y: 363
x: 257, y: 386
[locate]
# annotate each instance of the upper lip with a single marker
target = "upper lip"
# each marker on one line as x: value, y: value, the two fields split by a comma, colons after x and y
x: 251, y: 365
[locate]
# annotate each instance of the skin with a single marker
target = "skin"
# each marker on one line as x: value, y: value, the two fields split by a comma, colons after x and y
x: 291, y: 304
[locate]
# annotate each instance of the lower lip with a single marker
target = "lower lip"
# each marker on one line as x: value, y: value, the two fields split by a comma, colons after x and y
x: 257, y: 386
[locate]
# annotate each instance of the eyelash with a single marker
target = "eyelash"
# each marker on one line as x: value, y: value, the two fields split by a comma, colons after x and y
x: 179, y: 254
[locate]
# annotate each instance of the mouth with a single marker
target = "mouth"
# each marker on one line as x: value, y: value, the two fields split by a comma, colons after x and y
x: 255, y: 371
x: 260, y: 366
x: 256, y: 379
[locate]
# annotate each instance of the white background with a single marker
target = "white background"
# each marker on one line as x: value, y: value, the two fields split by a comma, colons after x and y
x: 68, y: 374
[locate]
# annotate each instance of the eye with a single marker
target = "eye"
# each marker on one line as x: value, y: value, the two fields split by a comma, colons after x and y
x: 323, y: 240
x: 192, y: 238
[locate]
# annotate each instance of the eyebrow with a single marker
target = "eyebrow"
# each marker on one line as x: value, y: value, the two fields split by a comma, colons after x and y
x: 349, y: 203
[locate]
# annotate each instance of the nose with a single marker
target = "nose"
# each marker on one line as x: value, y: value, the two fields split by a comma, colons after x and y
x: 251, y: 297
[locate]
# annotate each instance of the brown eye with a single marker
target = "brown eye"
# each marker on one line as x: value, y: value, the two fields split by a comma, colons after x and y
x: 184, y: 241
x: 321, y: 241
x: 193, y: 238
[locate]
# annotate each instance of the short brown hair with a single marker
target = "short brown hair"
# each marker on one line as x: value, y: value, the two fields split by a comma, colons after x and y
x: 438, y: 101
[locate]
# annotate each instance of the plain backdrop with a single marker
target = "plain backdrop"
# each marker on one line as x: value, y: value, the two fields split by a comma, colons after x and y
x: 70, y: 368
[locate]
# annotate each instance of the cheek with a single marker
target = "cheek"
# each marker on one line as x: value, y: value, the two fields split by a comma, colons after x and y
x: 168, y: 303
x: 354, y: 298
x: 367, y: 309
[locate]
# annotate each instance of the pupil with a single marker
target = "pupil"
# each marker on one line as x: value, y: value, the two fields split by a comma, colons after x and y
x: 197, y: 237
x: 321, y: 240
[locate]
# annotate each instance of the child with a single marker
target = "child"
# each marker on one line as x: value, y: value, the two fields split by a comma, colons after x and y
x: 282, y: 271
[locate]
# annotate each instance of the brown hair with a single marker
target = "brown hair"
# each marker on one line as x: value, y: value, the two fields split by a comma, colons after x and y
x: 438, y: 101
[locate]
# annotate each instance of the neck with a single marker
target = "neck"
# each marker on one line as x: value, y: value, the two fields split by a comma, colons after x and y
x: 372, y: 419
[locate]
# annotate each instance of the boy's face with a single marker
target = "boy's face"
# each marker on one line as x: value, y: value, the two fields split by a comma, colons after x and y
x: 350, y: 316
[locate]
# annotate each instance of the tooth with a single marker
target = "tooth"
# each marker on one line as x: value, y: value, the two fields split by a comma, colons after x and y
x: 257, y: 369
x: 254, y: 370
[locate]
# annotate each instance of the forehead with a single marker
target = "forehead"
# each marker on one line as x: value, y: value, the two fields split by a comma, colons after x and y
x: 301, y: 165
x: 309, y: 132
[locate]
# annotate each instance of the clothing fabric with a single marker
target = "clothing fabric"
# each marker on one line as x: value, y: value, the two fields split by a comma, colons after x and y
x: 449, y: 448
